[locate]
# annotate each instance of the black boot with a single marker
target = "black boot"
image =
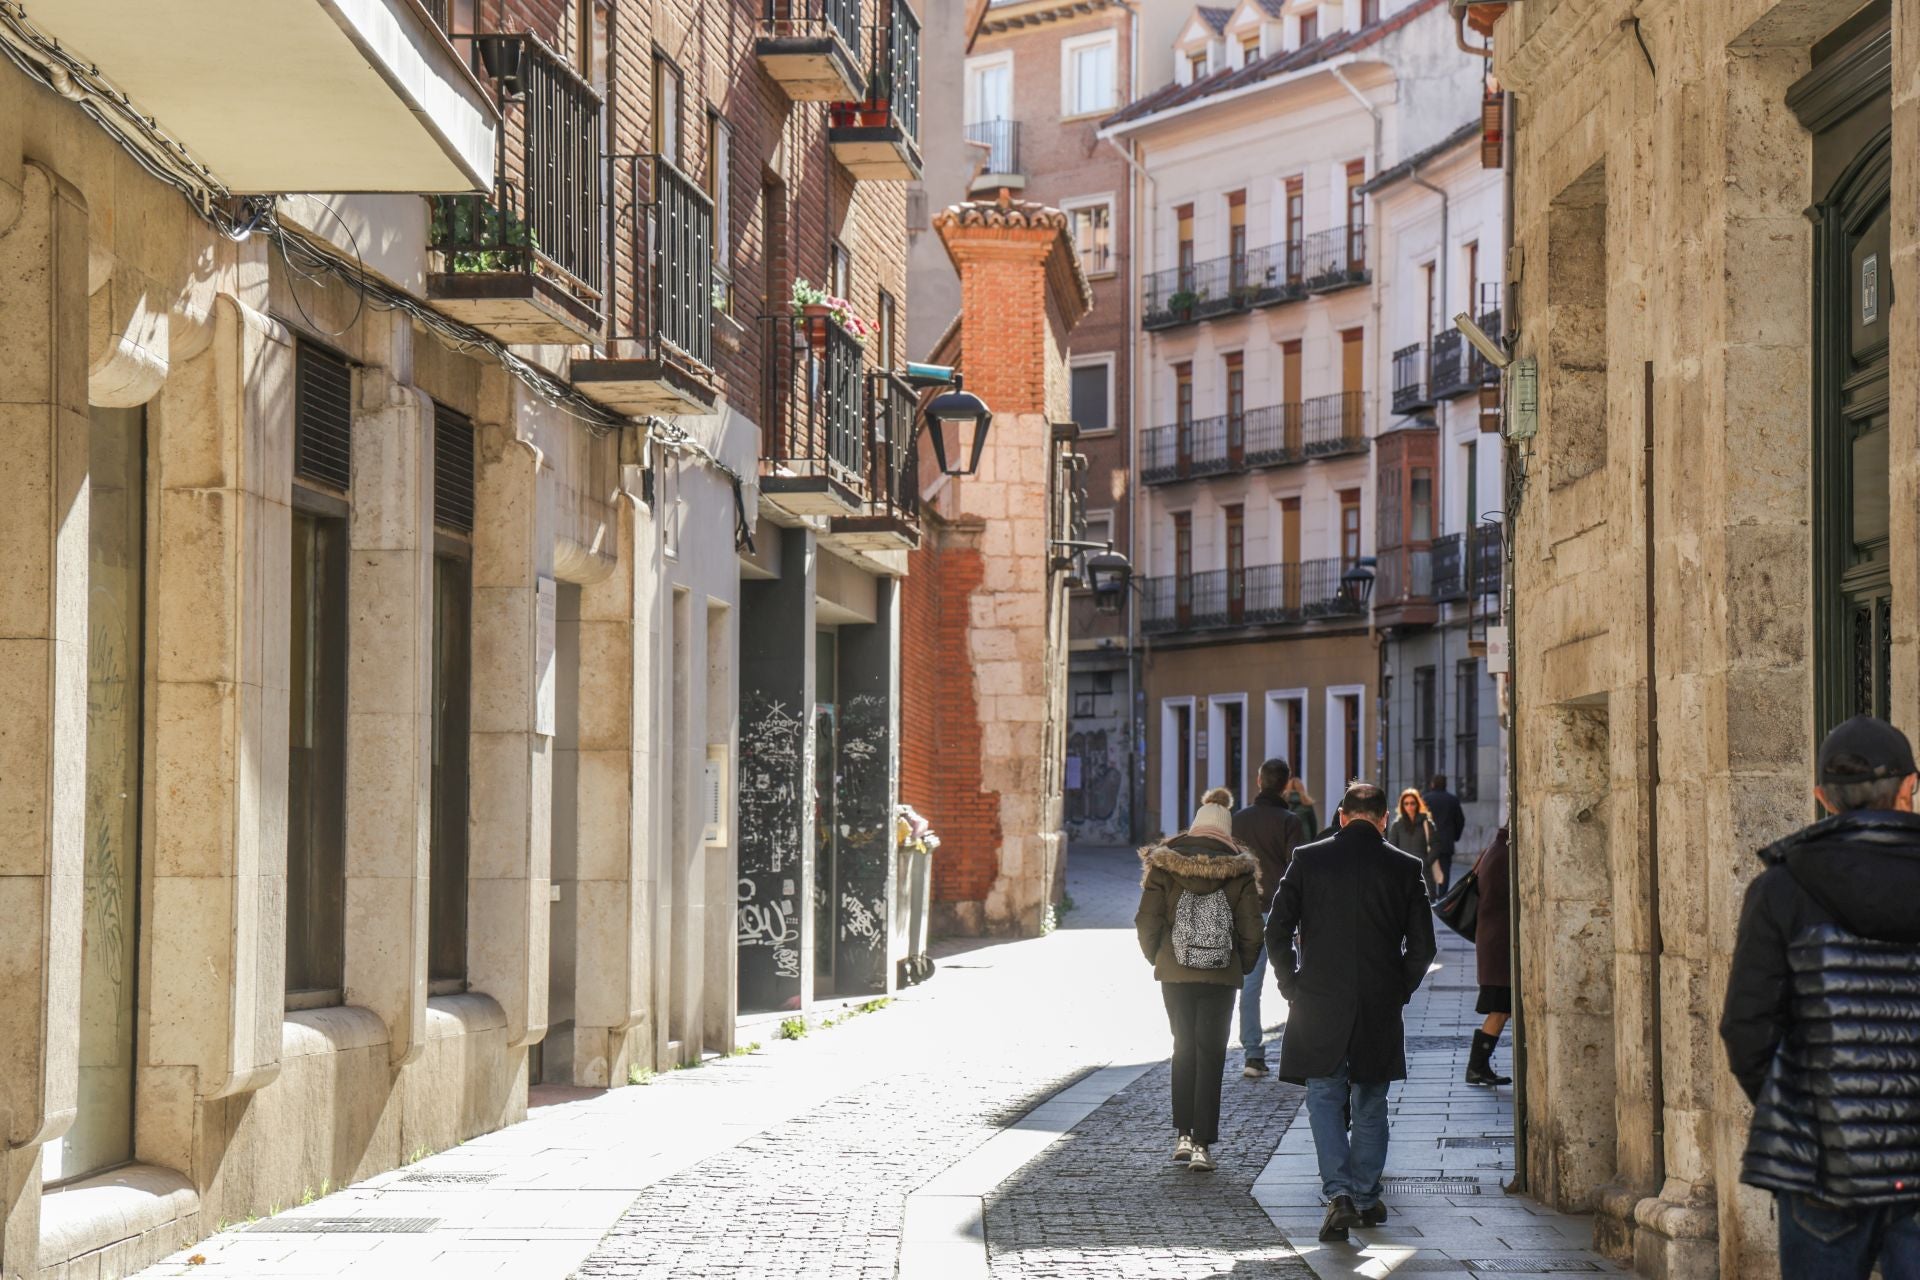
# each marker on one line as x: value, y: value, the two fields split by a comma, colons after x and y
x: 1480, y: 1064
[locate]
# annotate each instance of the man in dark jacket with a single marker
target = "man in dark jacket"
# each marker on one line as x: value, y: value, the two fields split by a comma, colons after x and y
x: 1365, y: 939
x: 1269, y: 828
x: 1822, y: 1023
x: 1449, y: 824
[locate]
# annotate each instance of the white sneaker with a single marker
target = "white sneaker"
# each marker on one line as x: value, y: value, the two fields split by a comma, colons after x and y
x: 1183, y: 1149
x: 1201, y: 1161
x: 1254, y: 1070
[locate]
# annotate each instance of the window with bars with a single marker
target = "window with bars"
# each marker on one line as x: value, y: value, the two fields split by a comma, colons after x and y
x: 1466, y: 731
x: 1425, y: 727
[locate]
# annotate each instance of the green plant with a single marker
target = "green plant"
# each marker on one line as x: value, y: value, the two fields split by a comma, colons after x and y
x: 742, y: 1050
x: 793, y: 1029
x: 637, y: 1074
x: 496, y: 239
x: 839, y: 310
x: 419, y: 1153
x: 1065, y: 905
x: 1184, y: 300
x: 874, y: 1005
x: 306, y: 1195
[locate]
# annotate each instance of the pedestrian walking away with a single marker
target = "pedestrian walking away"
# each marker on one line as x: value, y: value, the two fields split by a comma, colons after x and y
x: 1350, y: 937
x: 1271, y: 832
x: 1300, y: 800
x: 1411, y: 831
x: 1449, y: 824
x: 1822, y: 1020
x: 1199, y: 923
x: 1493, y: 958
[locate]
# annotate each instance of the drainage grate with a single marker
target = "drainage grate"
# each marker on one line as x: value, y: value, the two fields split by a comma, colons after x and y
x: 347, y: 1226
x: 1431, y: 1186
x: 1491, y: 1142
x: 1431, y: 1044
x: 450, y: 1179
x: 1534, y: 1264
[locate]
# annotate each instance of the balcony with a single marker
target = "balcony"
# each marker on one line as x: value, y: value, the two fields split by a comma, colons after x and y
x: 1487, y: 553
x: 660, y: 360
x: 1447, y: 376
x: 1410, y: 393
x: 814, y: 456
x: 1264, y: 595
x: 294, y: 95
x: 879, y: 136
x: 1223, y: 286
x: 1335, y: 259
x: 1403, y: 587
x: 1001, y: 139
x: 811, y: 48
x: 1449, y: 568
x: 890, y: 520
x: 1275, y: 436
x: 527, y: 262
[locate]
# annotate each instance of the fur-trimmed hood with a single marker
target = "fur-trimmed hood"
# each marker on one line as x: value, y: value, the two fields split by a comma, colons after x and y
x: 1196, y: 858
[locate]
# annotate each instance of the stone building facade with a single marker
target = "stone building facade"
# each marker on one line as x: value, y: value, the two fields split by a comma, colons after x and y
x: 1715, y: 551
x: 391, y: 573
x: 985, y: 639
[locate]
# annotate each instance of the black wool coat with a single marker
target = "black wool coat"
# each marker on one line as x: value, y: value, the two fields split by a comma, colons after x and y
x: 1350, y: 938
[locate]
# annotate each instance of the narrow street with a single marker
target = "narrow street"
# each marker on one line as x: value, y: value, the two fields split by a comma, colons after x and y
x: 1006, y: 1119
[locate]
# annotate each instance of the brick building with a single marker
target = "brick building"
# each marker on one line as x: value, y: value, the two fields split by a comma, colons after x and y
x: 403, y: 582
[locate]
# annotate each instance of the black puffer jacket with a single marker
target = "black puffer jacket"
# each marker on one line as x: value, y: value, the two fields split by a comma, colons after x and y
x: 1822, y: 1022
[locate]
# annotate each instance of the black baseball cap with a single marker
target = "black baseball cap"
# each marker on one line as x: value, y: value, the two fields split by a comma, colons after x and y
x: 1864, y: 749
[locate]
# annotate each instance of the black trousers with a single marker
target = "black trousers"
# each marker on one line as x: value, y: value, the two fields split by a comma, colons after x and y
x: 1200, y: 1014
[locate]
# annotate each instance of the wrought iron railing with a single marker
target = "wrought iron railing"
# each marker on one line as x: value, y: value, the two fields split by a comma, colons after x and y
x: 815, y: 398
x: 1447, y: 368
x: 1334, y: 425
x: 1488, y: 552
x: 1410, y: 379
x: 816, y: 17
x: 546, y: 214
x: 663, y: 245
x: 1217, y: 286
x: 1402, y: 575
x: 1335, y: 258
x: 1260, y: 595
x: 1001, y: 138
x: 897, y: 79
x: 893, y: 464
x: 1449, y: 567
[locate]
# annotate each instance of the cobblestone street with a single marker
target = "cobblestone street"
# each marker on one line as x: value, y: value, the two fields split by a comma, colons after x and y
x: 1005, y: 1120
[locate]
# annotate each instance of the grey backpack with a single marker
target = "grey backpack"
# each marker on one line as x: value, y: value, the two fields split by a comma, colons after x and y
x: 1203, y: 930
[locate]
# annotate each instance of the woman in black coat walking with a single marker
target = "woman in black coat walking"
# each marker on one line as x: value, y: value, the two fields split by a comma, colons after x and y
x: 1411, y: 831
x: 1493, y: 955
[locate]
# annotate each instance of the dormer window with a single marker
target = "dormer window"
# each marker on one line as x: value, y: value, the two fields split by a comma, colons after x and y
x: 1249, y: 48
x: 1196, y: 65
x: 1309, y: 28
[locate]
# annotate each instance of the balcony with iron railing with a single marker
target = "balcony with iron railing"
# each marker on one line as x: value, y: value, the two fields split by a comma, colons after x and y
x: 1486, y: 558
x: 1403, y: 586
x: 660, y: 358
x: 1410, y: 393
x: 1447, y: 367
x: 814, y: 455
x: 1449, y: 561
x: 1261, y: 595
x: 890, y: 521
x: 1335, y: 259
x: 526, y: 262
x: 878, y: 137
x: 1223, y: 286
x: 811, y: 48
x: 1001, y: 141
x: 1273, y: 436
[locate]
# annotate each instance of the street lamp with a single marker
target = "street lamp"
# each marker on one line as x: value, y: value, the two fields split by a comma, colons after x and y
x: 958, y: 421
x: 1109, y: 574
x: 1356, y: 584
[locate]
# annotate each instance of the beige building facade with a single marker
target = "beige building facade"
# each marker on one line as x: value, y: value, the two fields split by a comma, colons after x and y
x: 1714, y: 540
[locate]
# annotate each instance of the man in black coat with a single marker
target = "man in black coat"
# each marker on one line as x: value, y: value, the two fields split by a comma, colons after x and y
x: 1364, y: 942
x: 1268, y: 828
x: 1449, y: 824
x: 1822, y: 1022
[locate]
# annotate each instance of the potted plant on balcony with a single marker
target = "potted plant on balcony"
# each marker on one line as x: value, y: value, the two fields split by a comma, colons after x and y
x: 1184, y: 301
x: 813, y: 304
x: 477, y: 236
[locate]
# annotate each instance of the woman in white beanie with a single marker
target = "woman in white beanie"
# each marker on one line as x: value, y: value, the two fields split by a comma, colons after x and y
x: 1199, y: 923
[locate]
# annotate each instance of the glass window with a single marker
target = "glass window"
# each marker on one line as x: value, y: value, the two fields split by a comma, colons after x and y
x: 720, y: 188
x: 1093, y: 237
x: 1197, y: 65
x: 452, y: 667
x: 1091, y: 408
x: 316, y: 769
x: 840, y: 271
x: 1466, y: 740
x: 1349, y: 526
x: 668, y: 93
x: 1420, y: 504
x: 1309, y: 27
x: 1091, y: 78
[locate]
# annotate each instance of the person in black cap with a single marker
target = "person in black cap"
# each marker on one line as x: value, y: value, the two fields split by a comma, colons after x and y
x: 1822, y: 1021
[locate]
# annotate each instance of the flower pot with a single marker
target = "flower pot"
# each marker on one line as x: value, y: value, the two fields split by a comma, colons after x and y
x: 816, y: 318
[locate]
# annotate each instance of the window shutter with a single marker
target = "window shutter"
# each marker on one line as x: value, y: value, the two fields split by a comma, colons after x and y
x: 452, y: 470
x: 323, y: 417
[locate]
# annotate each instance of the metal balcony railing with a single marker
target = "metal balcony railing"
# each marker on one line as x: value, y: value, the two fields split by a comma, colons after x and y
x: 1449, y: 567
x: 1258, y: 278
x: 1261, y: 595
x: 1335, y: 258
x: 893, y: 464
x: 1410, y: 379
x: 1001, y: 138
x: 1334, y: 425
x: 1487, y: 556
x: 897, y: 76
x: 546, y: 213
x: 664, y: 260
x: 1482, y: 372
x: 815, y: 398
x: 1272, y: 436
x: 1403, y: 576
x: 804, y: 17
x: 1447, y: 368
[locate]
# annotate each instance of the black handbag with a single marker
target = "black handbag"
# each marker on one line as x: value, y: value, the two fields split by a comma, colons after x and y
x: 1459, y: 910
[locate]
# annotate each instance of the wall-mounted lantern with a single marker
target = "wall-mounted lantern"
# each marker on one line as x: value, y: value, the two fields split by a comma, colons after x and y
x: 1356, y: 584
x: 959, y: 421
x: 1109, y: 574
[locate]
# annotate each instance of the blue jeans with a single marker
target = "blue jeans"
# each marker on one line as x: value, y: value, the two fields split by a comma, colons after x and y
x: 1250, y: 1035
x: 1350, y: 1165
x: 1820, y: 1241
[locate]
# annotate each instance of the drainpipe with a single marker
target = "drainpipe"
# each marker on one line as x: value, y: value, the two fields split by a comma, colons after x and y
x: 1509, y: 321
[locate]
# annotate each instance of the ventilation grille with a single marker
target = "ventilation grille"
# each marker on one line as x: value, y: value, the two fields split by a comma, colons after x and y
x: 452, y: 470
x: 345, y: 1226
x: 1491, y: 1142
x: 450, y: 1179
x: 1431, y: 1186
x: 1534, y: 1264
x: 323, y: 417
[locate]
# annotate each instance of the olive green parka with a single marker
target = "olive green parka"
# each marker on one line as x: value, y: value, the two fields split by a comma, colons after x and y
x: 1197, y: 864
